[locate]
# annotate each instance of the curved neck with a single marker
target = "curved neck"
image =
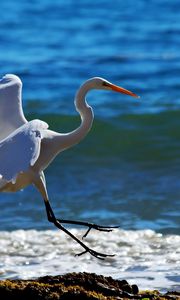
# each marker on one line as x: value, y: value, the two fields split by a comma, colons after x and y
x: 66, y: 140
x: 86, y: 114
x: 57, y: 142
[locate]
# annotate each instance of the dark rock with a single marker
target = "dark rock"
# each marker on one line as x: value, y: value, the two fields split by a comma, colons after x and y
x: 76, y: 286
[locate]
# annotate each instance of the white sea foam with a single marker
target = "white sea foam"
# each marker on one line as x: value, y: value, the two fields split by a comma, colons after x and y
x: 144, y: 257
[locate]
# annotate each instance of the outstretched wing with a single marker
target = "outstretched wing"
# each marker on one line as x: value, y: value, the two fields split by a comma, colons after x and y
x: 21, y: 149
x: 11, y: 113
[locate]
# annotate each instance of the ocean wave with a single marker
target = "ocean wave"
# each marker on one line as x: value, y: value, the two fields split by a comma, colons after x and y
x: 144, y: 257
x: 154, y: 138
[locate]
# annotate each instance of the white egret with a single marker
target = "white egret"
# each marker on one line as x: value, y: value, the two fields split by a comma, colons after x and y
x: 28, y: 147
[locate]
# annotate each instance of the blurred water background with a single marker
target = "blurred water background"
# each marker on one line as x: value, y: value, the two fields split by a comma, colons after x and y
x: 127, y: 170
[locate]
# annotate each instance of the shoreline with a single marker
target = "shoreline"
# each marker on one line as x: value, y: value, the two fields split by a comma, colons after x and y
x: 77, y: 286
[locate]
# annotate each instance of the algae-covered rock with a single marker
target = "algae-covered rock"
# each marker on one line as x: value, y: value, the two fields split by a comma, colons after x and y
x: 76, y: 286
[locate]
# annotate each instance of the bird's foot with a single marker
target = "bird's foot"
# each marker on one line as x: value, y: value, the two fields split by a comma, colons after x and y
x: 98, y: 227
x: 87, y: 224
x: 94, y: 253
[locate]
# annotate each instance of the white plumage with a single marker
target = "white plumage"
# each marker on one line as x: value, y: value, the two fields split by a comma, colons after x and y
x: 11, y: 113
x: 21, y: 149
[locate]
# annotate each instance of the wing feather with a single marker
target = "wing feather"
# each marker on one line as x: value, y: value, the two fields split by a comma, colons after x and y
x: 21, y: 149
x: 11, y: 113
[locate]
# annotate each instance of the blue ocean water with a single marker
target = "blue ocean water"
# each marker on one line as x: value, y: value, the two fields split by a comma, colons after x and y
x: 127, y: 170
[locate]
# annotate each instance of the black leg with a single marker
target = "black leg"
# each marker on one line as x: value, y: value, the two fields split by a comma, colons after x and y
x: 57, y: 223
x: 40, y: 183
x: 90, y: 226
x: 80, y: 223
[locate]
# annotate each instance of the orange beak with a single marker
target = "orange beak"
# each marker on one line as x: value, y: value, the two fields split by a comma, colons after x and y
x: 119, y: 89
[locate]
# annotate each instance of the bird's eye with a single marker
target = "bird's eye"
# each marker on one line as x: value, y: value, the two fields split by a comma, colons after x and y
x: 105, y: 83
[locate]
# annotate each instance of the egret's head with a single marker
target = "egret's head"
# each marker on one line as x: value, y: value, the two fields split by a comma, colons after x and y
x: 102, y: 84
